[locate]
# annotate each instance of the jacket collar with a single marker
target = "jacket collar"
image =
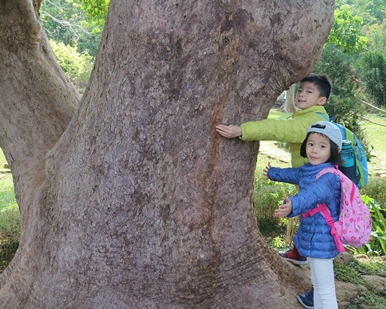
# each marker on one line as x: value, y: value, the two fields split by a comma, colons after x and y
x: 312, y: 109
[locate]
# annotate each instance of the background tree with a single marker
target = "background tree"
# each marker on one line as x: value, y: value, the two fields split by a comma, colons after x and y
x: 373, y: 65
x: 346, y: 31
x: 96, y: 10
x: 373, y: 11
x: 130, y: 199
x: 289, y: 105
x: 65, y: 21
x: 356, y: 40
x: 341, y: 51
x: 74, y: 37
x: 75, y: 65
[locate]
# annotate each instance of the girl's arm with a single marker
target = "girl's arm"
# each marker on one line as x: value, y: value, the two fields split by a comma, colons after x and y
x: 317, y: 192
x: 289, y: 175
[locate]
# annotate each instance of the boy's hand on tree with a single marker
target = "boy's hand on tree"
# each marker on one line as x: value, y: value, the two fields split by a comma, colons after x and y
x: 285, y: 209
x: 230, y: 131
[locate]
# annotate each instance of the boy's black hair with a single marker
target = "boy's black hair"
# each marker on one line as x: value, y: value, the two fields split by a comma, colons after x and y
x: 335, y: 155
x: 321, y: 81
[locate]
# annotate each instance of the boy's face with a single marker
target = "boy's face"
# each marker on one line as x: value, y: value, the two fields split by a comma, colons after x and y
x: 308, y: 95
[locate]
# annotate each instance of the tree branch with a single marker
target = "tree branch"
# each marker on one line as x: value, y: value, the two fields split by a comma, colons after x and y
x: 377, y: 123
x: 37, y: 100
x: 372, y: 106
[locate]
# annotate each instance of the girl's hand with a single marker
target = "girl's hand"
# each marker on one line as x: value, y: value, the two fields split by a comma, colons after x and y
x: 230, y: 131
x: 285, y: 209
x: 265, y: 172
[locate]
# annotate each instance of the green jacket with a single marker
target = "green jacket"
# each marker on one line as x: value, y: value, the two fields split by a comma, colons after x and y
x: 292, y: 130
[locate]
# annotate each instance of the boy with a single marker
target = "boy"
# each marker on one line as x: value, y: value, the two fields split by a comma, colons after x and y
x: 314, y: 91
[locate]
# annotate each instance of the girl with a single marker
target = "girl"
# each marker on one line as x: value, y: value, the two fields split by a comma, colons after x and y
x: 313, y: 238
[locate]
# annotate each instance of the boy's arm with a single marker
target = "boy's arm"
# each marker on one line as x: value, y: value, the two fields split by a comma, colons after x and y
x: 285, y: 130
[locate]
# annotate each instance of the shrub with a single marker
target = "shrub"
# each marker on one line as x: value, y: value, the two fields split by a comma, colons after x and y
x: 373, y: 73
x: 266, y: 198
x: 77, y: 66
x: 9, y: 235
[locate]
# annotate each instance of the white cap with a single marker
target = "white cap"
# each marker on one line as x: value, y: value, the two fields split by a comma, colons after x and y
x: 328, y: 129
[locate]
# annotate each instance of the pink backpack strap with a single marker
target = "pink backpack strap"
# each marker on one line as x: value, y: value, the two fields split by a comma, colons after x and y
x: 323, y: 209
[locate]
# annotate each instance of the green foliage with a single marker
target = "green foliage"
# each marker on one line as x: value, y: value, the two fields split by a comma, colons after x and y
x: 359, y: 31
x: 76, y: 66
x: 377, y: 244
x: 353, y: 273
x: 348, y: 273
x: 372, y: 11
x: 65, y: 21
x: 345, y: 32
x: 369, y: 266
x: 373, y: 73
x: 96, y: 10
x: 9, y: 217
x: 7, y: 194
x: 376, y: 34
x: 266, y: 198
x: 339, y: 53
x: 9, y: 235
x: 376, y: 189
x: 344, y: 102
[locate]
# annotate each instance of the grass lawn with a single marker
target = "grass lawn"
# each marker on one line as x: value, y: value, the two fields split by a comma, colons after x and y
x: 9, y: 216
x: 376, y: 136
x: 7, y: 195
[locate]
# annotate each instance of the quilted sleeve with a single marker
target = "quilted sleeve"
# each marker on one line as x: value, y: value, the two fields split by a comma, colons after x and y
x: 320, y: 191
x: 289, y: 175
x: 291, y: 130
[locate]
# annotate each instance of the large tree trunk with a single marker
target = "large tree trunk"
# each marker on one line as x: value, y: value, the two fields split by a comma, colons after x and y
x: 139, y: 204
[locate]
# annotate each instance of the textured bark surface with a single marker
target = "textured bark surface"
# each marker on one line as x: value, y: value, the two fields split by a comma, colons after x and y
x: 139, y: 204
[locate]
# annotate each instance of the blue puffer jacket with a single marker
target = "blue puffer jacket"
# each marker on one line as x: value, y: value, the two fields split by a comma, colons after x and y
x: 313, y: 238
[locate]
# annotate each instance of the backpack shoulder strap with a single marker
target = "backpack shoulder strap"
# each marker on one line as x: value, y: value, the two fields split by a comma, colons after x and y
x: 325, y: 212
x: 361, y: 163
x: 350, y: 136
x: 329, y: 170
x: 324, y: 116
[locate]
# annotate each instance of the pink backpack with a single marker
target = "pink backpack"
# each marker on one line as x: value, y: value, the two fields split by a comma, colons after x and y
x: 354, y: 224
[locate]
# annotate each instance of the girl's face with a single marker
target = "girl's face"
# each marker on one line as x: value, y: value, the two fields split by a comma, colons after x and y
x: 318, y: 148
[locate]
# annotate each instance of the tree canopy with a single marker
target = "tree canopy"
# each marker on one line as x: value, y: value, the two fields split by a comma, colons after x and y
x: 357, y: 36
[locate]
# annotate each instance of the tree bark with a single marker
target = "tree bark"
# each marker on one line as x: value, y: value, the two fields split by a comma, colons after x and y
x: 131, y: 200
x: 289, y: 105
